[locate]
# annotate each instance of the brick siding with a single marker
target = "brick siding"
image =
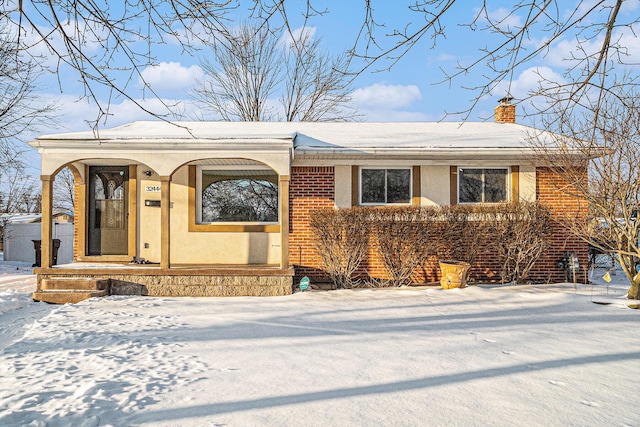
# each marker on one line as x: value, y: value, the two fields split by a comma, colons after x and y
x: 310, y: 188
x: 549, y: 192
x: 313, y: 188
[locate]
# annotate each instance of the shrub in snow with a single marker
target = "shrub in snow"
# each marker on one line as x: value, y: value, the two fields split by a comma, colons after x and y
x: 341, y: 239
x: 405, y: 239
x: 522, y: 234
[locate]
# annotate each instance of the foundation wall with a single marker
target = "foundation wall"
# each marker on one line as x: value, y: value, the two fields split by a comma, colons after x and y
x: 175, y: 285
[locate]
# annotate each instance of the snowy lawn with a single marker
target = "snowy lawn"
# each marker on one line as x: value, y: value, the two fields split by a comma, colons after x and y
x: 532, y: 355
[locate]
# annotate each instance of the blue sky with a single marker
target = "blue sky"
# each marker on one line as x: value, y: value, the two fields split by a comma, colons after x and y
x: 407, y: 92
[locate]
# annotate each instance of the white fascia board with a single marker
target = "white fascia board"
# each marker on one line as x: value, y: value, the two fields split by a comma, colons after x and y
x: 427, y: 153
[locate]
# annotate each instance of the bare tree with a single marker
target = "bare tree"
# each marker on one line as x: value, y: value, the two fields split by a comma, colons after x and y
x: 19, y: 192
x: 103, y: 42
x: 598, y: 159
x: 109, y: 45
x: 316, y: 86
x: 519, y: 34
x: 64, y: 191
x: 254, y: 64
x: 242, y: 73
x: 20, y: 112
x: 20, y: 108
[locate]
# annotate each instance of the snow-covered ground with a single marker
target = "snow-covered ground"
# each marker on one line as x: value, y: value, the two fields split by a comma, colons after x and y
x: 512, y: 355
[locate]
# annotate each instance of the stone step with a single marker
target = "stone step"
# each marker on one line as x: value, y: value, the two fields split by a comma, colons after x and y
x: 67, y: 296
x: 70, y: 283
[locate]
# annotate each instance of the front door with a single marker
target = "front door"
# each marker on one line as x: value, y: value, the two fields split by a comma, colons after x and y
x: 108, y: 210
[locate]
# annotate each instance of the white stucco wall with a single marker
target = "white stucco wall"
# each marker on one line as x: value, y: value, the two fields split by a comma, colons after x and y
x: 434, y: 185
x: 197, y: 247
x: 342, y: 184
x: 148, y: 218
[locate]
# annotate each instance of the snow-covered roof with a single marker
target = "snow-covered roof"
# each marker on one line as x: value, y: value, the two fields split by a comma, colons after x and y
x: 20, y: 217
x: 177, y: 131
x: 318, y: 135
x: 314, y: 140
x: 27, y: 217
x: 414, y: 139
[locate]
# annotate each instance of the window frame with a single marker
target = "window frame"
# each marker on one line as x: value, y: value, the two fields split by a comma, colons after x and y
x: 195, y: 204
x: 508, y: 184
x: 386, y: 168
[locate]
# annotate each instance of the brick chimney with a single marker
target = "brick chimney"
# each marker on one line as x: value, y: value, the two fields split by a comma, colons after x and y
x: 505, y: 112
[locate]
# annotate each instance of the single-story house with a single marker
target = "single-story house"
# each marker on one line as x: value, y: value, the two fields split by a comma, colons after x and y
x: 222, y: 208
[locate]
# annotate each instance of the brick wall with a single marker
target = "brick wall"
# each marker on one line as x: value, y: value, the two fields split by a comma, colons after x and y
x: 310, y: 188
x: 313, y: 188
x: 551, y: 192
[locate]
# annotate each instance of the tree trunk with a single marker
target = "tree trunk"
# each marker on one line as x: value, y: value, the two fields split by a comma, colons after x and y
x: 634, y: 290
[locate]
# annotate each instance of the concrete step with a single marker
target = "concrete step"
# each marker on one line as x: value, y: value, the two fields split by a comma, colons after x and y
x: 70, y: 283
x: 67, y: 296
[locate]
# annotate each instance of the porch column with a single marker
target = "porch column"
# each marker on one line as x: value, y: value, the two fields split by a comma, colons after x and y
x: 284, y: 220
x: 47, y: 205
x: 165, y: 221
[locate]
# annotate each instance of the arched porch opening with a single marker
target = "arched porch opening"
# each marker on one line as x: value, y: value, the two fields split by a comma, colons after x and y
x: 104, y: 207
x: 227, y: 212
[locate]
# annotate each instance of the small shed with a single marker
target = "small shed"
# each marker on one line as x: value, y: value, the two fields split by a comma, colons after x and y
x: 20, y: 231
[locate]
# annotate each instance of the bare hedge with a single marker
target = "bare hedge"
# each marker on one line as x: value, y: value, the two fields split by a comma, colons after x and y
x: 522, y: 234
x: 407, y: 237
x: 341, y: 239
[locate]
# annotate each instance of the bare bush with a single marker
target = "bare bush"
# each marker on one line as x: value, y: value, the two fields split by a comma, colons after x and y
x: 521, y: 233
x: 461, y: 232
x: 341, y: 239
x: 405, y: 239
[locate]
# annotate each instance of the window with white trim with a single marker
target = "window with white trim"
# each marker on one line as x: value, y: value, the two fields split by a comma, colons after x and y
x: 483, y: 185
x: 237, y: 195
x: 381, y: 186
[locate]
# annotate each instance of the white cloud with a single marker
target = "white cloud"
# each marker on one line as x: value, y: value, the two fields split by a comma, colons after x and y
x: 383, y: 96
x: 171, y: 76
x: 446, y: 57
x: 504, y: 18
x: 381, y: 102
x: 529, y: 81
x: 302, y: 33
x: 78, y: 114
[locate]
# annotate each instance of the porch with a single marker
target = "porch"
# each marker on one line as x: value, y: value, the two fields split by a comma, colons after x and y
x: 208, y: 208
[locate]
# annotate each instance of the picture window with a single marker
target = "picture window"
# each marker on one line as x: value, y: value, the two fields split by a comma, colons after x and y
x: 231, y: 196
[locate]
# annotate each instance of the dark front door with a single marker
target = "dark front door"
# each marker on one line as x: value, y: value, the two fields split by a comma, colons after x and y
x: 108, y: 210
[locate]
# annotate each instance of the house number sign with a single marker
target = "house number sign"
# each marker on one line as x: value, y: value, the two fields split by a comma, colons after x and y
x: 152, y: 188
